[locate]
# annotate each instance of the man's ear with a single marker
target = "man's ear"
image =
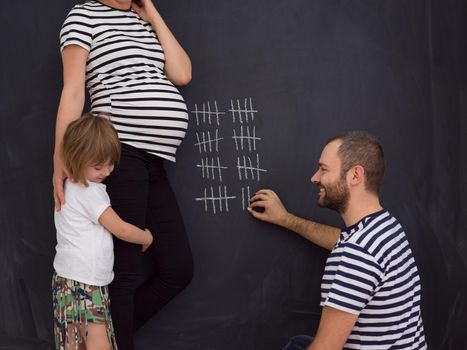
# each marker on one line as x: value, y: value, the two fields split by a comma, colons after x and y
x: 356, y: 175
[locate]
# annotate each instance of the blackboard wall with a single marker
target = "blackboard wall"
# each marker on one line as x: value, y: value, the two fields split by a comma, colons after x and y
x: 310, y: 69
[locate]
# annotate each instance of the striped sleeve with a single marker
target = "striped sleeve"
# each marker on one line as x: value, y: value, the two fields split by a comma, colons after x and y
x: 77, y: 29
x: 356, y: 276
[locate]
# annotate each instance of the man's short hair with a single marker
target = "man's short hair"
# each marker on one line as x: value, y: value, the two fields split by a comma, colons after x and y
x: 362, y: 148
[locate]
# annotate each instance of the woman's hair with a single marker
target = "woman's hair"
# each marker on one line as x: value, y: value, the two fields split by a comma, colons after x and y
x: 89, y: 140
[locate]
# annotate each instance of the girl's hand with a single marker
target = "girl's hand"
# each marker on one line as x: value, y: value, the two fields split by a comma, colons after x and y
x: 146, y: 246
x: 147, y: 11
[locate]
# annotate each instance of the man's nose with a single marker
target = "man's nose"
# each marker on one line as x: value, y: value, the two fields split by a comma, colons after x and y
x: 314, y: 178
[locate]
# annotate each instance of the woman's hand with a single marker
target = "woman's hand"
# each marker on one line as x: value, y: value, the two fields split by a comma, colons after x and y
x: 58, y: 179
x: 147, y: 11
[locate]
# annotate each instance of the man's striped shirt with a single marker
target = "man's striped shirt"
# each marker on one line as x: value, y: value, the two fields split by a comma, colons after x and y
x: 371, y: 273
x: 125, y: 77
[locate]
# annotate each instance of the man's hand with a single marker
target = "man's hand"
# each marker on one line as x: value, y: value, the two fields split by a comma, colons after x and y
x: 146, y: 246
x: 274, y: 211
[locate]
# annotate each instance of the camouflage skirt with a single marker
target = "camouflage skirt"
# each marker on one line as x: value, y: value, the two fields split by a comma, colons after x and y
x: 75, y: 305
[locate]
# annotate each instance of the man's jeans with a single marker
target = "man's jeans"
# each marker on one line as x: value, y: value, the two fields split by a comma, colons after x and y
x: 299, y: 342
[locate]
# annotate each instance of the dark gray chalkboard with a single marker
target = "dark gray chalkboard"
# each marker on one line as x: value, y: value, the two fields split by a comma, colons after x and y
x: 312, y: 69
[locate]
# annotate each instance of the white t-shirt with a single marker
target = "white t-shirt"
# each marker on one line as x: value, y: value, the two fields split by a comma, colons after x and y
x: 84, y: 247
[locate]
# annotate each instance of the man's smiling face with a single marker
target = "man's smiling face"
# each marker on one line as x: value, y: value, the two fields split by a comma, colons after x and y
x: 333, y: 189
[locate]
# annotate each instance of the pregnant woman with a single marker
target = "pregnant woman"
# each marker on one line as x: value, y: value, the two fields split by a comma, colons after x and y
x: 129, y: 61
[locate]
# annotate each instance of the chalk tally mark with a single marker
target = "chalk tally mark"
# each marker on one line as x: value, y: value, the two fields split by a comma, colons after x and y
x: 210, y: 167
x: 246, y: 197
x: 247, y: 113
x: 245, y: 167
x: 248, y: 135
x: 205, y: 114
x: 206, y: 143
x: 219, y: 201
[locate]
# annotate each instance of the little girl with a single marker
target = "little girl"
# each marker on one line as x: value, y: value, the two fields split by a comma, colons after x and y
x: 84, y: 258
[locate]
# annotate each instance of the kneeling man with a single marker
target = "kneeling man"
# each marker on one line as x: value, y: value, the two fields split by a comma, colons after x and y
x: 370, y: 290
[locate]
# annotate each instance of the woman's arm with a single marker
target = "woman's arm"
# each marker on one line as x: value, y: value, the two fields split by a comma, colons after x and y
x: 123, y: 230
x: 177, y: 62
x: 70, y: 108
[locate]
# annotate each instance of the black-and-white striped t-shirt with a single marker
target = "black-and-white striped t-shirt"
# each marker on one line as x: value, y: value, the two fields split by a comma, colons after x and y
x: 125, y: 77
x: 371, y: 273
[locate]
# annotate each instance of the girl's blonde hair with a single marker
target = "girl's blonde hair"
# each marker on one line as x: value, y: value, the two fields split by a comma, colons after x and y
x: 88, y: 141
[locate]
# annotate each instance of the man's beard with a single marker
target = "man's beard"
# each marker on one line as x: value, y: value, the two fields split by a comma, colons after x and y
x: 336, y: 196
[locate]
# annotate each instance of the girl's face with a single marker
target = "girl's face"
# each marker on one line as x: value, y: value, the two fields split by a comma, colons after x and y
x: 98, y: 173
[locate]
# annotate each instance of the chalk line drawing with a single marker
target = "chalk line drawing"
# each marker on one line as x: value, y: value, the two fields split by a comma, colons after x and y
x: 247, y: 166
x: 246, y: 197
x: 222, y: 199
x: 209, y: 118
x: 249, y: 136
x: 205, y: 141
x: 209, y: 169
x: 246, y: 113
x: 206, y: 112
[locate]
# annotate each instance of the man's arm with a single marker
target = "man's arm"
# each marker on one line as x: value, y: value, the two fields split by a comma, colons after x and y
x: 334, y: 329
x: 274, y: 212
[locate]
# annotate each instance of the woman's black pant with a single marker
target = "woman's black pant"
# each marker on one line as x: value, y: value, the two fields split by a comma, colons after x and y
x: 141, y: 194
